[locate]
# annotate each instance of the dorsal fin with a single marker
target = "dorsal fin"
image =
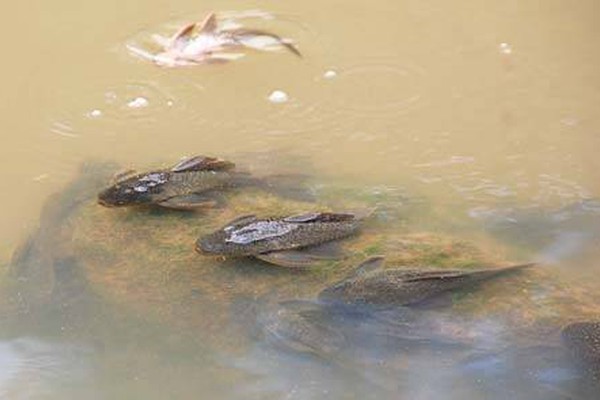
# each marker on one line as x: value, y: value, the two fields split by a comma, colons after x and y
x: 123, y: 175
x: 240, y: 33
x: 178, y: 39
x: 209, y: 25
x: 413, y: 275
x: 241, y: 220
x: 306, y: 217
x: 202, y: 163
x: 425, y: 275
x: 370, y: 264
x: 319, y: 217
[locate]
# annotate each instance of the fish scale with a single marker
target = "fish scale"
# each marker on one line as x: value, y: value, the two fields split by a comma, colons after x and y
x: 277, y: 234
x: 405, y: 286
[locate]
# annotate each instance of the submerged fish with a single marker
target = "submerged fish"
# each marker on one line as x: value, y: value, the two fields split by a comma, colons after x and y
x: 284, y: 241
x: 185, y: 186
x: 371, y: 285
x: 583, y: 341
x: 206, y: 42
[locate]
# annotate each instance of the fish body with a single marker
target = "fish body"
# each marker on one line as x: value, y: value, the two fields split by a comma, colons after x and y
x: 582, y: 339
x: 303, y: 327
x: 278, y: 240
x: 181, y: 186
x: 250, y: 235
x: 402, y: 287
x: 206, y: 42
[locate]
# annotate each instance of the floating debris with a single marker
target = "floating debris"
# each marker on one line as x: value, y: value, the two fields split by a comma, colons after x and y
x: 209, y: 41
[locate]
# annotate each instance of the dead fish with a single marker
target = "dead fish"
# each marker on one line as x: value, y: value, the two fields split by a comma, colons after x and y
x: 371, y: 285
x: 185, y: 186
x: 582, y: 339
x: 289, y: 241
x: 205, y: 42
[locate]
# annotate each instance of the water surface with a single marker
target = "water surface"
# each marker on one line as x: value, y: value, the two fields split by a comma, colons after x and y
x: 473, y: 121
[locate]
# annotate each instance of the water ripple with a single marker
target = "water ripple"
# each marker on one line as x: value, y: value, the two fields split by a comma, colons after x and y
x: 376, y: 87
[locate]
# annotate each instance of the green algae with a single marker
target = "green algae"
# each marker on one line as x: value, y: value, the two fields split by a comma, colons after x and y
x: 140, y: 263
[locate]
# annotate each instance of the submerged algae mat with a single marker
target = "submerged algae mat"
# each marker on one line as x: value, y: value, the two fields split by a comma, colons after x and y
x: 141, y: 262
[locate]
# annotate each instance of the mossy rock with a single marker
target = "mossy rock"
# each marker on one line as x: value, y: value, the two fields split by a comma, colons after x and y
x: 141, y: 262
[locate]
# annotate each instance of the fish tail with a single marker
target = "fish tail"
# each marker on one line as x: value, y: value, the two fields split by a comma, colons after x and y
x: 492, y: 273
x: 241, y: 32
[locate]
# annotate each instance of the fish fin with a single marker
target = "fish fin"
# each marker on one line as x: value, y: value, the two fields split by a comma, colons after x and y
x: 209, y: 25
x: 202, y: 163
x: 306, y: 217
x: 319, y: 217
x: 441, y: 300
x: 242, y: 220
x: 240, y: 32
x: 370, y: 264
x: 291, y: 47
x: 141, y: 53
x: 324, y: 251
x: 424, y: 275
x: 123, y: 175
x: 188, y: 202
x: 183, y: 33
x: 222, y: 57
x: 294, y: 259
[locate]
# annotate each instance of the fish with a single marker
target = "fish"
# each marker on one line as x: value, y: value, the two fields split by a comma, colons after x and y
x: 206, y: 42
x: 188, y: 185
x: 582, y: 339
x: 291, y: 241
x: 369, y: 284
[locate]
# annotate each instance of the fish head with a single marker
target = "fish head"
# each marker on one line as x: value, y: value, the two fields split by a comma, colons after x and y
x: 213, y: 244
x: 136, y: 190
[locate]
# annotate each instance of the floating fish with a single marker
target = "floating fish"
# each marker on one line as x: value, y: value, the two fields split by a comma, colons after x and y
x: 206, y: 42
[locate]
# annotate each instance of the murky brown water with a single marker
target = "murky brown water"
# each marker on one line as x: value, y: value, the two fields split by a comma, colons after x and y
x: 486, y: 113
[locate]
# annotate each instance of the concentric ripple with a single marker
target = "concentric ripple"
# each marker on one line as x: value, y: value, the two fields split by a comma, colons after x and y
x: 375, y: 87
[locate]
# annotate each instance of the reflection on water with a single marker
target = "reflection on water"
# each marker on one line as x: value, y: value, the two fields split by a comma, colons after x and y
x: 35, y: 368
x: 475, y: 121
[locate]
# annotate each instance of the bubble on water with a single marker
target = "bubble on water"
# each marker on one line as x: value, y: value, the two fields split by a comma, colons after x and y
x: 95, y: 113
x: 138, y: 102
x: 330, y: 74
x: 278, y: 96
x: 505, y: 48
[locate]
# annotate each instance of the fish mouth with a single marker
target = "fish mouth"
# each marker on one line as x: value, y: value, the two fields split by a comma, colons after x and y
x: 206, y: 249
